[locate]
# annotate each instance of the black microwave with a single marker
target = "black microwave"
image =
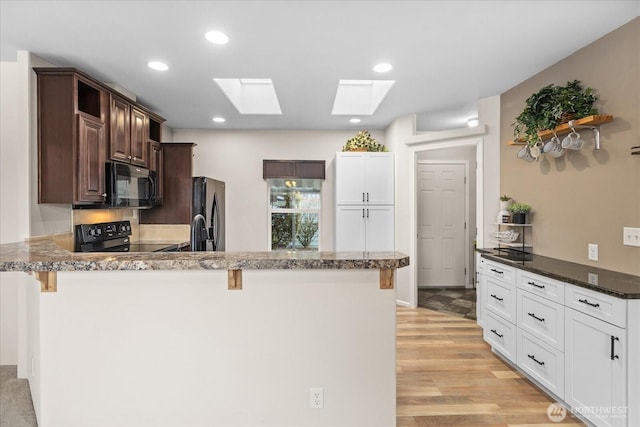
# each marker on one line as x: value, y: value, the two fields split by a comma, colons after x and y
x: 130, y: 186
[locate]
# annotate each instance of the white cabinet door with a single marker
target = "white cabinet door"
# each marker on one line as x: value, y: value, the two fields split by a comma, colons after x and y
x: 364, y: 178
x: 379, y: 228
x: 379, y: 179
x: 350, y: 178
x: 350, y: 228
x: 595, y: 369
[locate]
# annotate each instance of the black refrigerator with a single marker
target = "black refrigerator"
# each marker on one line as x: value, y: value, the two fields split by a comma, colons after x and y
x: 208, y: 213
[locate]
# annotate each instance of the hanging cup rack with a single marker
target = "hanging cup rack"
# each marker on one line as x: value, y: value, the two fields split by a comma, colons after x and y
x: 596, y: 131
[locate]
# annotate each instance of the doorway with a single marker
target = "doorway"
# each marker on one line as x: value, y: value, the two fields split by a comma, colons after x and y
x: 442, y: 223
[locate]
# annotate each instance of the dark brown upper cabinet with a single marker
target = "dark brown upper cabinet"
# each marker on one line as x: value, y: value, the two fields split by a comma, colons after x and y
x: 78, y: 120
x: 312, y: 169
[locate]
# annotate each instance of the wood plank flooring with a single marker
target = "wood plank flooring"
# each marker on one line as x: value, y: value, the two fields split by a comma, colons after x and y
x: 448, y: 376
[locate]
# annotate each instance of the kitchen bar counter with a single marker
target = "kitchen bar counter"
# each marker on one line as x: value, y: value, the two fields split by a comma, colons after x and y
x: 171, y: 338
x: 47, y: 255
x: 613, y: 283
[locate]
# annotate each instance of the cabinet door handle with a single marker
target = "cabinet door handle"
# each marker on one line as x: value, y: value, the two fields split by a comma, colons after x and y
x: 129, y: 157
x: 104, y: 195
x: 535, y: 284
x: 497, y: 271
x: 613, y: 355
x: 532, y: 357
x: 367, y: 197
x: 496, y: 332
x: 496, y: 297
x: 362, y: 213
x: 363, y: 197
x: 367, y: 213
x: 585, y: 301
x: 540, y: 319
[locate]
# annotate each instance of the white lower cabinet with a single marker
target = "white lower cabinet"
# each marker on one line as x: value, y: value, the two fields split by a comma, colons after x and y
x: 364, y: 228
x: 596, y: 369
x: 581, y: 346
x: 481, y: 283
x: 542, y: 362
x: 501, y: 334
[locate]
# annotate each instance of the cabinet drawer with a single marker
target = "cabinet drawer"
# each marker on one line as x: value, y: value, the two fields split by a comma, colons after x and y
x: 543, y: 363
x: 501, y: 335
x: 541, y: 318
x: 501, y: 299
x: 540, y: 285
x: 601, y: 306
x: 500, y: 271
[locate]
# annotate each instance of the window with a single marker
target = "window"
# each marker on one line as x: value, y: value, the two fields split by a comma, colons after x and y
x: 294, y: 213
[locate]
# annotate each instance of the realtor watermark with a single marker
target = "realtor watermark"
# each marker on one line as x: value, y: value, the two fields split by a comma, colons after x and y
x: 557, y: 412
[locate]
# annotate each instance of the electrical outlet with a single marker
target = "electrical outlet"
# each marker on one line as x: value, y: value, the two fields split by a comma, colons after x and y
x: 593, y: 279
x: 316, y: 398
x: 593, y: 252
x: 631, y: 236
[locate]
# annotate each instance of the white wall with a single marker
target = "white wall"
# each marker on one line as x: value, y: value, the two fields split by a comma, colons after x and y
x: 14, y: 220
x: 236, y: 158
x: 402, y: 137
x: 178, y: 348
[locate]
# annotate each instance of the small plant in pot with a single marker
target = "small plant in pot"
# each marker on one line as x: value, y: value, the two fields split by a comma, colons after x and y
x: 519, y: 212
x: 505, y: 201
x: 363, y: 141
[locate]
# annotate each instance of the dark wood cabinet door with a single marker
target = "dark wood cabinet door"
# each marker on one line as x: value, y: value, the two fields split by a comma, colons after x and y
x: 90, y: 184
x: 155, y: 164
x: 120, y: 135
x: 139, y: 138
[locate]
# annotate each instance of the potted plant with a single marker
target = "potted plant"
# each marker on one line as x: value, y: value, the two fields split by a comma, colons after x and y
x: 504, y: 202
x: 363, y: 141
x: 553, y: 105
x: 519, y: 212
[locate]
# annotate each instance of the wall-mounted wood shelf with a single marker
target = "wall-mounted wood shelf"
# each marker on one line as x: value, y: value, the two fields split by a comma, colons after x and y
x: 564, y: 128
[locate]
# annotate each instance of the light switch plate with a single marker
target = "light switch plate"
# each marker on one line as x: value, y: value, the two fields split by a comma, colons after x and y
x: 631, y: 236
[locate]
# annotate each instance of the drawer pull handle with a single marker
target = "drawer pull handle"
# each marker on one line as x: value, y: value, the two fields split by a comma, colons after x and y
x: 497, y: 271
x: 540, y: 319
x: 496, y: 332
x: 536, y: 285
x: 532, y: 357
x: 496, y: 297
x: 585, y: 301
x: 613, y: 355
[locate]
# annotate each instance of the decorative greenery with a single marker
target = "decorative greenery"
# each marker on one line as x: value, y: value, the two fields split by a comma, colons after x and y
x: 519, y: 208
x: 363, y: 141
x: 505, y: 198
x: 546, y: 108
x: 307, y: 229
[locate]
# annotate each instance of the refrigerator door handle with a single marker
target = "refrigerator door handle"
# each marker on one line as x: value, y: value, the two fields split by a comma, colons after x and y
x: 215, y: 219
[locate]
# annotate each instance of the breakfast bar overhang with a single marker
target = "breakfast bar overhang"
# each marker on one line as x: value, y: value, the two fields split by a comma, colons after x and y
x: 194, y: 339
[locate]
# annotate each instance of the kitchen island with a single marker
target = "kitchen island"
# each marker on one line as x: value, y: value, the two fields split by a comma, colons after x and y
x: 195, y: 339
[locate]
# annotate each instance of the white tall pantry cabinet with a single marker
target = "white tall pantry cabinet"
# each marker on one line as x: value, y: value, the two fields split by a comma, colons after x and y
x: 364, y: 209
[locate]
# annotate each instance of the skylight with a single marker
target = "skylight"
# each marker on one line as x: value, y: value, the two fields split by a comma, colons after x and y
x: 360, y: 97
x: 251, y: 96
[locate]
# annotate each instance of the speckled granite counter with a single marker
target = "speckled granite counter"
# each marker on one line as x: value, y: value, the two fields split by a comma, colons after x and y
x: 46, y: 255
x: 617, y: 284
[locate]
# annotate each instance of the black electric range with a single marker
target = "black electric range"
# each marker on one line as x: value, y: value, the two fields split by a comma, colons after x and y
x: 113, y: 237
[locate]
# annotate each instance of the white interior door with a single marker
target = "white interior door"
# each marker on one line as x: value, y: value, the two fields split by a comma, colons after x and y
x: 441, y: 225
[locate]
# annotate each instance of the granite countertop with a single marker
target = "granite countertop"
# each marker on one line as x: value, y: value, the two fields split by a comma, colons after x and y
x: 614, y: 283
x: 47, y: 255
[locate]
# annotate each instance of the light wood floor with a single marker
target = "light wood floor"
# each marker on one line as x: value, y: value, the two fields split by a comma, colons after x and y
x: 448, y: 376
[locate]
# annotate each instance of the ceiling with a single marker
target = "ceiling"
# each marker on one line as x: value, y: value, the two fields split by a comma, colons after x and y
x: 445, y: 54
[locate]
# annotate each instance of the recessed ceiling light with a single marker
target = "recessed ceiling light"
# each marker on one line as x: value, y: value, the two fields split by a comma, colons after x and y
x: 216, y: 37
x: 472, y: 122
x: 382, y: 68
x: 355, y: 120
x: 157, y: 65
x: 219, y: 119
